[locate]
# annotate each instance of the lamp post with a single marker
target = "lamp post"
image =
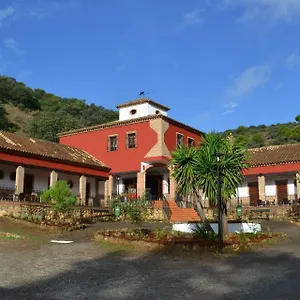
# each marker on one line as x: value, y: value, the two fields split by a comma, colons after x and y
x: 220, y: 209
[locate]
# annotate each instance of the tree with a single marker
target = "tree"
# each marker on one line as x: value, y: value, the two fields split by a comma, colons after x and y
x: 61, y: 195
x: 297, y: 118
x: 197, y: 169
x: 257, y: 140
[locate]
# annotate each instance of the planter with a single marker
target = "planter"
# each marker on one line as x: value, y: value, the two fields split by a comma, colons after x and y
x: 232, y: 227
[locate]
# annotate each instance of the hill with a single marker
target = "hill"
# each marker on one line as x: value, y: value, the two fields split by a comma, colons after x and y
x: 36, y: 113
x: 262, y: 135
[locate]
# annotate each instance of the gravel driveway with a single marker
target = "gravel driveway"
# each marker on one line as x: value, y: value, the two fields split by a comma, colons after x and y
x: 38, y: 269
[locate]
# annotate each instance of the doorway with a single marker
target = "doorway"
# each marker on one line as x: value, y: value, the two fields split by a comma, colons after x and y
x: 154, y: 186
x: 253, y: 193
x: 282, y: 191
x: 28, y: 184
x: 88, y: 193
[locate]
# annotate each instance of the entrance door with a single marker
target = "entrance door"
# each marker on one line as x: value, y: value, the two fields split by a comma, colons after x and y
x: 282, y: 191
x: 28, y: 184
x: 154, y: 183
x: 253, y: 193
x: 88, y: 193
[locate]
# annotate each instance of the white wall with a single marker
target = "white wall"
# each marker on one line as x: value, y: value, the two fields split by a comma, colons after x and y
x: 142, y: 110
x: 243, y: 190
x: 5, y: 182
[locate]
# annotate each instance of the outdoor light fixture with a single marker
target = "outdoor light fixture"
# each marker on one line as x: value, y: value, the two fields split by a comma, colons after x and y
x: 220, y: 208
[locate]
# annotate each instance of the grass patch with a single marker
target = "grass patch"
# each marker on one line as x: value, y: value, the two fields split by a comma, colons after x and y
x: 9, y: 236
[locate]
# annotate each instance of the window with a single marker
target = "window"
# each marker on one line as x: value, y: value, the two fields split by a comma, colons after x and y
x: 112, y: 143
x: 133, y: 112
x: 179, y: 139
x: 191, y: 142
x: 157, y: 112
x: 131, y: 140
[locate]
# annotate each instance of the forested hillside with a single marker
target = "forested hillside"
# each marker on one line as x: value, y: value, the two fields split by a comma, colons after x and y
x: 36, y: 113
x: 262, y: 135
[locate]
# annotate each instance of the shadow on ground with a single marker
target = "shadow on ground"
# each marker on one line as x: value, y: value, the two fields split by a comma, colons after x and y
x: 85, y: 271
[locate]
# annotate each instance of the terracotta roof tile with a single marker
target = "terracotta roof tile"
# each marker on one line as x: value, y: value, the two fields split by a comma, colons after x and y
x: 141, y: 101
x: 274, y: 155
x: 17, y: 143
x: 129, y: 122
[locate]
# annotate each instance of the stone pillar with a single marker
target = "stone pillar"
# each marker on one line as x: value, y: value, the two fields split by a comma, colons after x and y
x: 262, y: 187
x: 19, y: 183
x: 106, y: 192
x: 53, y: 178
x: 166, y: 184
x: 173, y: 185
x: 110, y: 188
x: 141, y: 183
x: 82, y: 189
x: 298, y: 185
x: 121, y: 186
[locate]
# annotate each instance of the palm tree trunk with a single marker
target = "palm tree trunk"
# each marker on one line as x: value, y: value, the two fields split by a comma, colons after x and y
x: 201, y: 213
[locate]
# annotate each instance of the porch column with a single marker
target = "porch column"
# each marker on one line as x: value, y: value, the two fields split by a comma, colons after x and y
x: 166, y: 184
x: 110, y: 188
x: 298, y: 185
x: 82, y: 189
x: 19, y: 184
x: 121, y: 186
x: 173, y: 185
x: 141, y: 183
x: 106, y: 192
x: 53, y: 178
x: 262, y: 187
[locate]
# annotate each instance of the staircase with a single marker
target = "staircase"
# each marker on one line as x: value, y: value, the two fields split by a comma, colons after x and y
x: 178, y: 214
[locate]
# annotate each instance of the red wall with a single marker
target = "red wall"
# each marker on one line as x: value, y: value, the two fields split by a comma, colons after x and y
x: 171, y: 140
x: 122, y: 160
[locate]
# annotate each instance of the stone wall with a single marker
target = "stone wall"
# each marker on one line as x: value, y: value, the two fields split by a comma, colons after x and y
x: 42, y: 212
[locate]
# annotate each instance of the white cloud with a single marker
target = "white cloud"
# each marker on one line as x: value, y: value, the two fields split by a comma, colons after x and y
x: 192, y: 18
x: 12, y: 44
x: 6, y: 13
x: 249, y: 80
x: 230, y: 107
x: 271, y: 10
x: 293, y: 60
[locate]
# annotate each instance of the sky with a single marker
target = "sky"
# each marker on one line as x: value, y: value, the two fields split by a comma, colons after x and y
x: 217, y: 64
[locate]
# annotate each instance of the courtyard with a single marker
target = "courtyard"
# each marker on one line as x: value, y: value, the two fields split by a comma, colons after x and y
x: 34, y: 268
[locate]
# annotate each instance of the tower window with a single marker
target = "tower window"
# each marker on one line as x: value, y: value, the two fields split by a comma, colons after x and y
x: 131, y: 140
x: 133, y: 112
x: 191, y: 142
x: 179, y: 139
x: 112, y: 143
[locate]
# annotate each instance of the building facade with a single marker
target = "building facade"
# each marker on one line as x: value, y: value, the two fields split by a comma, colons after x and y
x: 138, y: 148
x: 273, y: 177
x: 29, y: 166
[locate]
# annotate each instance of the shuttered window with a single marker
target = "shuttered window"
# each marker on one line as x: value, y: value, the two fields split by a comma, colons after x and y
x: 112, y: 143
x: 179, y: 139
x: 131, y: 140
x: 191, y: 142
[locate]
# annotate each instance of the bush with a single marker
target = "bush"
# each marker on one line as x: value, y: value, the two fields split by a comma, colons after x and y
x: 61, y: 195
x: 200, y: 231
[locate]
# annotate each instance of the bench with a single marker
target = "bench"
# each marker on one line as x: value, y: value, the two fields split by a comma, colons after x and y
x: 260, y: 211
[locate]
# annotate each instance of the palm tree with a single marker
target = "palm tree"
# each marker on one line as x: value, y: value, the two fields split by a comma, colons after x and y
x: 196, y: 169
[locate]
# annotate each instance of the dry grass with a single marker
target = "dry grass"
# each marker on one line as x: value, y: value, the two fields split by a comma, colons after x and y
x: 17, y: 116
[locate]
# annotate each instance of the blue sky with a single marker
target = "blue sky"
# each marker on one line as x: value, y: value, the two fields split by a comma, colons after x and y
x: 217, y: 63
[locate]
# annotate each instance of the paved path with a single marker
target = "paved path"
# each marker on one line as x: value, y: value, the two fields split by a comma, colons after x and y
x: 86, y: 270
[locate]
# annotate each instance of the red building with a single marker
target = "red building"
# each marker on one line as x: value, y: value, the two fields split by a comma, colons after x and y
x: 137, y: 148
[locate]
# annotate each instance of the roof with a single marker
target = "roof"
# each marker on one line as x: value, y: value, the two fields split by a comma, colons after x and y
x: 141, y: 101
x: 274, y: 155
x: 47, y: 150
x: 129, y: 122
